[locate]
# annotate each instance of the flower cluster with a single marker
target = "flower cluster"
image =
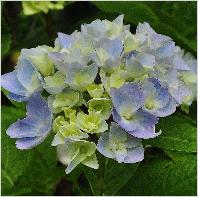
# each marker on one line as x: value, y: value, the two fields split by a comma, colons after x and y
x: 102, y: 88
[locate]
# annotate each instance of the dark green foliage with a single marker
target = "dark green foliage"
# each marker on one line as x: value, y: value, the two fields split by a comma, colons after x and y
x: 111, y: 178
x: 161, y: 176
x: 178, y: 134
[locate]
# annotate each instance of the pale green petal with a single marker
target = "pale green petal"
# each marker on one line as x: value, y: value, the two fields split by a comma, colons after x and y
x: 67, y: 98
x: 86, y: 149
x: 67, y: 152
x: 102, y: 127
x: 69, y: 130
x: 91, y: 161
x: 66, y: 130
x: 101, y: 105
x: 54, y: 84
x: 130, y: 43
x: 58, y: 140
x: 59, y: 121
x: 189, y: 77
x: 91, y: 123
x: 115, y: 80
x: 95, y: 91
x: 50, y: 100
x: 70, y: 114
x: 185, y: 107
x: 39, y: 58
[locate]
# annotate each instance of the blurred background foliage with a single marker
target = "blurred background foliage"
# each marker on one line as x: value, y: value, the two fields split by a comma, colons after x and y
x: 168, y: 169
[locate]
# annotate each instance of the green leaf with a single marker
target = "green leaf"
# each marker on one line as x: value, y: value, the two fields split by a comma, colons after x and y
x: 111, y: 178
x: 48, y: 152
x: 14, y: 161
x: 178, y: 15
x: 178, y: 133
x: 117, y: 175
x: 134, y: 12
x: 39, y: 176
x: 30, y: 172
x: 158, y: 15
x: 91, y: 176
x: 160, y: 176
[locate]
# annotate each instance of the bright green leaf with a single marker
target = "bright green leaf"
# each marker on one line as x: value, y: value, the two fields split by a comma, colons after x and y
x: 14, y: 161
x: 158, y: 176
x: 178, y: 133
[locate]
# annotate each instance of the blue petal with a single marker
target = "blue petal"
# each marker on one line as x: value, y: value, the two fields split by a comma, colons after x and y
x: 58, y: 59
x: 134, y: 155
x: 10, y: 82
x: 17, y: 98
x: 23, y: 128
x: 141, y: 124
x: 158, y: 40
x: 145, y: 132
x: 119, y: 145
x: 103, y: 146
x: 145, y: 28
x: 147, y: 60
x: 28, y: 143
x: 162, y: 102
x: 33, y: 129
x: 166, y: 50
x: 113, y: 47
x: 88, y: 73
x: 180, y: 64
x: 120, y: 155
x: 65, y: 40
x: 27, y: 75
x: 37, y: 107
x: 168, y: 109
x: 95, y: 29
x: 127, y: 99
x: 180, y: 92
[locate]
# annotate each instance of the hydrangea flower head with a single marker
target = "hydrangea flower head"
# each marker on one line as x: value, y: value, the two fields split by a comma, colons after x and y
x: 105, y: 90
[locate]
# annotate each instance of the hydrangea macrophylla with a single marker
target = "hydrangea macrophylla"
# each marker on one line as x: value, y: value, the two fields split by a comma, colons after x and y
x: 102, y: 76
x: 102, y: 106
x: 119, y: 145
x: 74, y: 152
x: 91, y: 123
x: 158, y: 100
x: 33, y: 129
